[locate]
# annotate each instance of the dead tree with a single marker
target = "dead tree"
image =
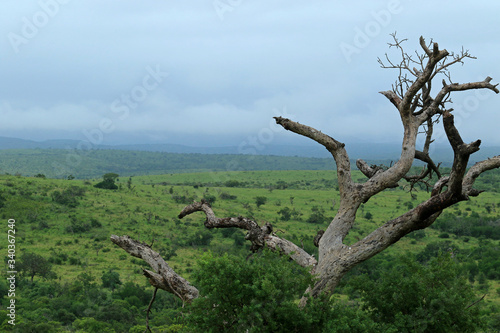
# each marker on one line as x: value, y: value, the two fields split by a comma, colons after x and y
x: 419, y: 111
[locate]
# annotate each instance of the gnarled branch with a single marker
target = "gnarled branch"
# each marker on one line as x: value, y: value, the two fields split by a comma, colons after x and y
x: 411, y: 96
x: 434, y: 107
x: 165, y: 277
x: 259, y: 236
x: 336, y: 148
x: 475, y: 171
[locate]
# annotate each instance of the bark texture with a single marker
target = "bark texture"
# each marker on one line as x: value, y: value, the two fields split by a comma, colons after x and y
x: 163, y: 277
x: 258, y: 236
x: 419, y: 113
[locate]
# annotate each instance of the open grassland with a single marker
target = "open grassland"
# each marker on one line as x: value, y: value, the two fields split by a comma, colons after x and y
x: 69, y: 222
x: 81, y: 164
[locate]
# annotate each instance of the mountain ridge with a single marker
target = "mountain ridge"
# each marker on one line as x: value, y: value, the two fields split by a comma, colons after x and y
x: 368, y: 151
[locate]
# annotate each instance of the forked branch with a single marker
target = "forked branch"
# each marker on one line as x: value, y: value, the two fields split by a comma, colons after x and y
x: 475, y: 171
x: 336, y: 148
x: 258, y: 236
x: 411, y: 96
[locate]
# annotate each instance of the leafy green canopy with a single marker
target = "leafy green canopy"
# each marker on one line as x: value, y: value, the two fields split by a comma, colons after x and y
x: 32, y: 264
x: 240, y: 294
x: 414, y: 297
x: 108, y: 181
x: 261, y: 294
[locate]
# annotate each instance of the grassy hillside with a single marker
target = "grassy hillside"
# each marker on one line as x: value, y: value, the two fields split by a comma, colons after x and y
x: 69, y: 222
x: 61, y: 163
x: 148, y: 210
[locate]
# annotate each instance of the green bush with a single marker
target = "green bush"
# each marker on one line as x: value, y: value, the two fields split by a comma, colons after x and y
x: 182, y: 199
x: 107, y: 184
x: 421, y: 298
x: 317, y: 215
x: 260, y: 200
x: 261, y: 295
x: 210, y: 198
x: 258, y: 294
x: 111, y: 279
x: 232, y: 183
x: 90, y: 325
x: 227, y: 196
x: 286, y: 214
x: 69, y: 196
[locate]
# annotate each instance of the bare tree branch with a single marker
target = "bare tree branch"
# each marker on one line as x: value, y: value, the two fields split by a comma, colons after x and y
x: 475, y: 171
x: 259, y: 236
x: 165, y: 277
x: 411, y: 95
x: 336, y: 148
x: 393, y: 97
x: 438, y: 101
x: 214, y: 222
x: 424, y: 157
x: 439, y: 185
x: 148, y: 310
x: 479, y: 300
x: 367, y: 170
x: 434, y: 58
x: 461, y: 151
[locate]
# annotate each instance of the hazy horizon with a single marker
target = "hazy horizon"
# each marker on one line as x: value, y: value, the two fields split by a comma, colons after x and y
x: 170, y: 72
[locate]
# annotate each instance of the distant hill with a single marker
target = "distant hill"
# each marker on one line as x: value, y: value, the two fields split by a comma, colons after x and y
x: 60, y: 163
x: 59, y: 158
x: 367, y: 151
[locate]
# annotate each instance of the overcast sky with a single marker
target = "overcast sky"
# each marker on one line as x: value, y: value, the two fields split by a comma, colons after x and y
x: 216, y: 72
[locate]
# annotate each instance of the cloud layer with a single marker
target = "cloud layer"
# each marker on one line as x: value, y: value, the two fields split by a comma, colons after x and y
x: 69, y: 67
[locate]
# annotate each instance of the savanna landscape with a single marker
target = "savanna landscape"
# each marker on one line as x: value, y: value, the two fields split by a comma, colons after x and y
x: 91, y: 285
x: 155, y: 175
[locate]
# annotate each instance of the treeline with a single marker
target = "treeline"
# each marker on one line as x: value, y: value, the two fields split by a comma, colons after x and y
x: 260, y: 294
x: 63, y: 164
x: 473, y: 226
x: 324, y: 181
x: 60, y: 163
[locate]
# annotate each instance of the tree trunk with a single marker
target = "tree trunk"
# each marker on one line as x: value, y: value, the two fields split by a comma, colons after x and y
x: 417, y: 110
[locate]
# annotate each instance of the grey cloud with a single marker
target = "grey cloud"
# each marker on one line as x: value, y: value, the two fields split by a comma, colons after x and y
x: 228, y: 75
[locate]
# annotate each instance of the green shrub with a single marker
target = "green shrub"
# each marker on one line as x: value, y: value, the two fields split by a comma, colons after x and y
x: 317, y: 215
x: 260, y: 200
x: 227, y: 196
x: 107, y: 184
x: 258, y: 294
x: 421, y: 298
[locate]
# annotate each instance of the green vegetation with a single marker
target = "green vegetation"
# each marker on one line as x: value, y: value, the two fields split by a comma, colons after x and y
x: 64, y: 163
x: 259, y: 295
x: 32, y: 264
x: 108, y: 182
x: 96, y: 286
x: 260, y: 200
x: 413, y: 297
